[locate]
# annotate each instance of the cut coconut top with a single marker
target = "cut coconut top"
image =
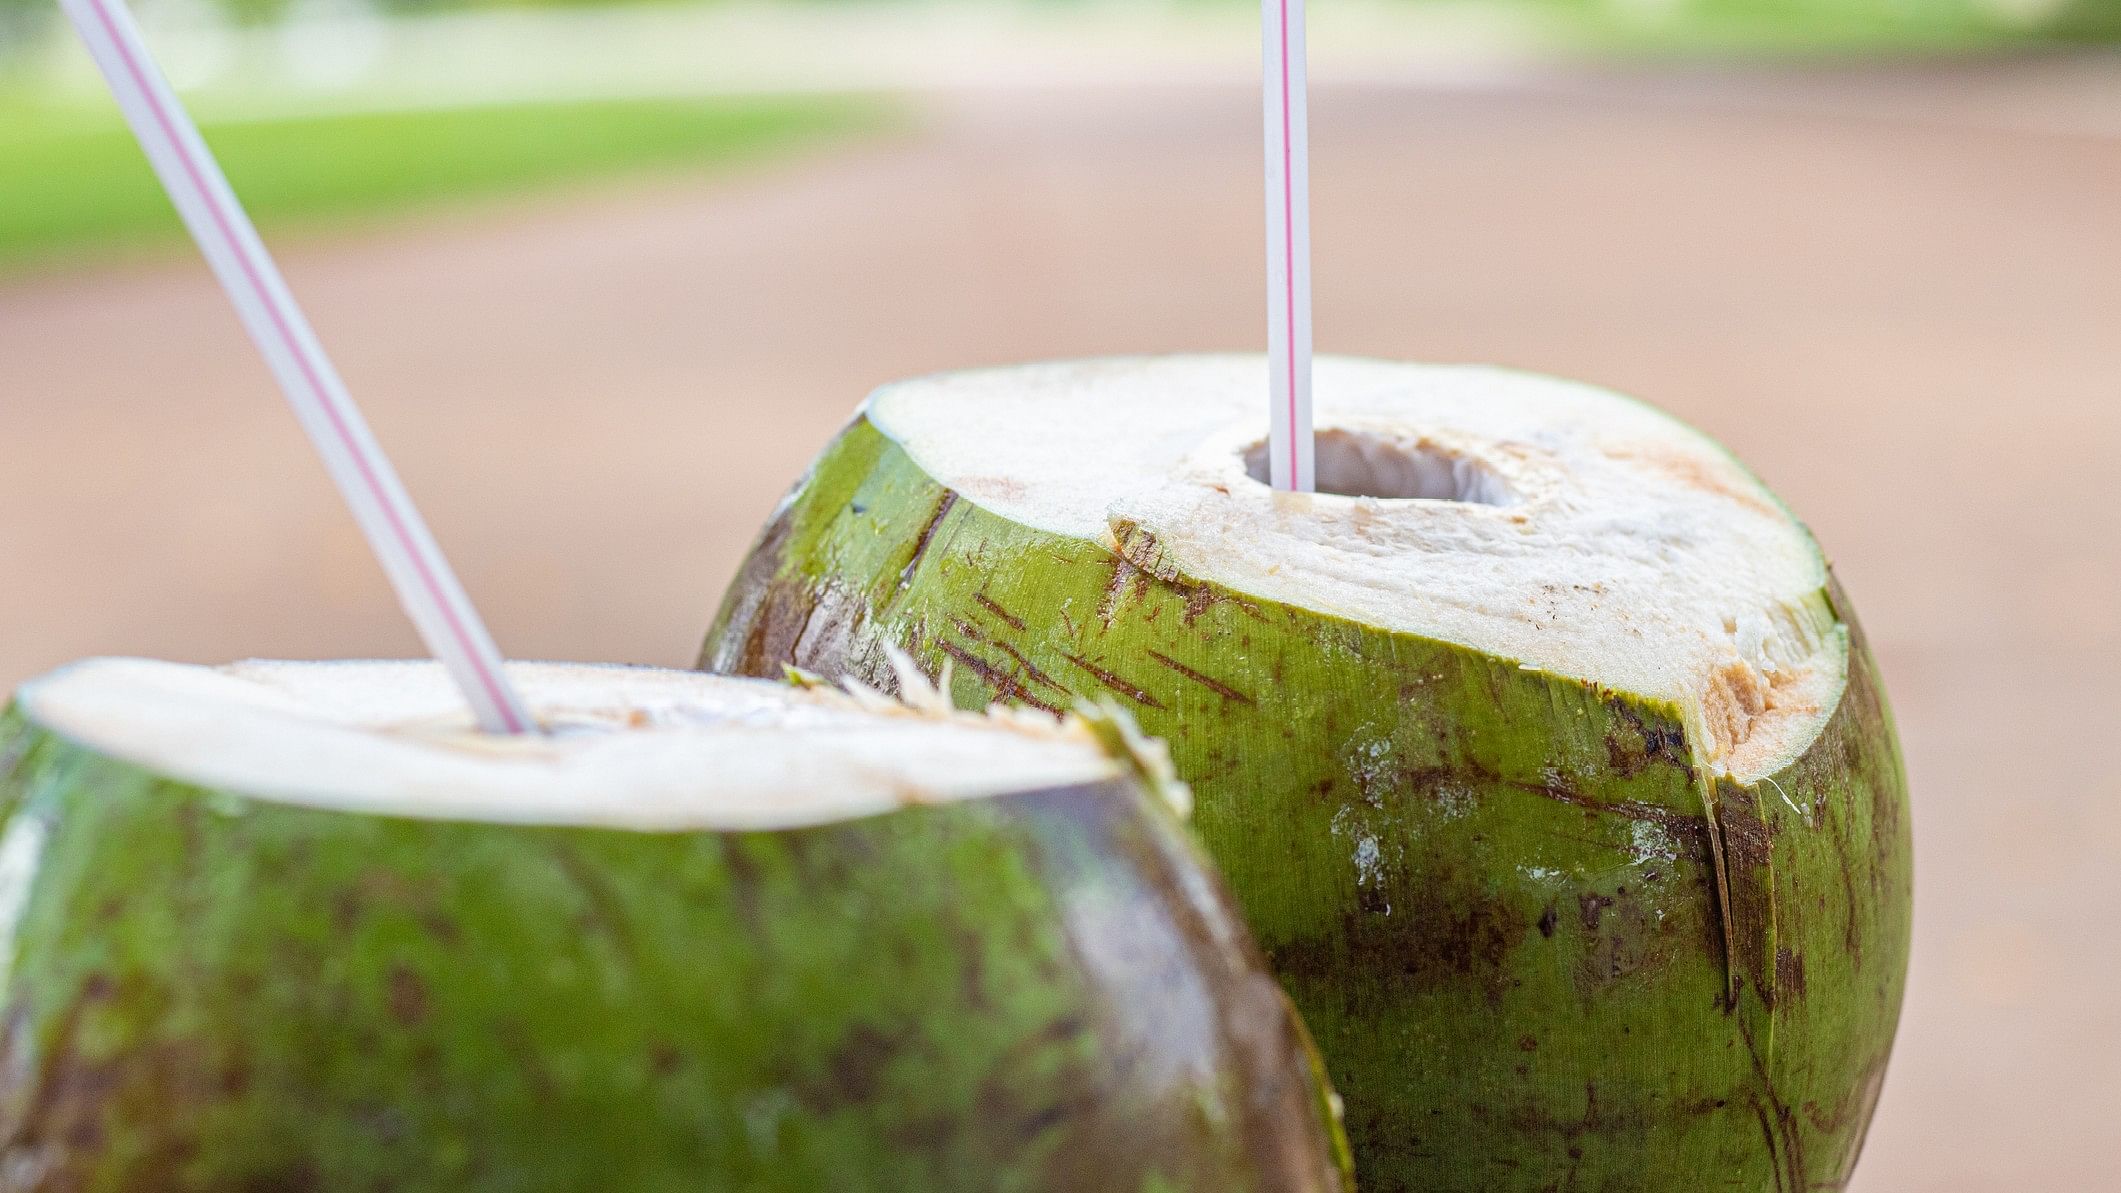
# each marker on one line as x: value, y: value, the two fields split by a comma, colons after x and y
x: 1553, y: 524
x: 627, y: 747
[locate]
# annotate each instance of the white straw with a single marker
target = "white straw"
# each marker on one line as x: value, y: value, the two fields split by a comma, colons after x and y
x: 1288, y: 247
x: 425, y: 585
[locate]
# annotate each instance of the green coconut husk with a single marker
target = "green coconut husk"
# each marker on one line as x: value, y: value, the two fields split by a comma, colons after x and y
x: 1546, y: 759
x: 295, y: 927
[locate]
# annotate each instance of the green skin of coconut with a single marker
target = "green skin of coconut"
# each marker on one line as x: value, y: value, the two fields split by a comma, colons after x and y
x: 1034, y: 991
x: 1531, y: 956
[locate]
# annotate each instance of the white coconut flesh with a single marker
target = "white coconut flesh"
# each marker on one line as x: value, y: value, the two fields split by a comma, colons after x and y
x: 1546, y: 523
x: 626, y: 747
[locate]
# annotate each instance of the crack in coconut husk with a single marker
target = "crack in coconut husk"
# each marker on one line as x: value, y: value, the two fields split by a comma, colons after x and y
x: 1742, y: 715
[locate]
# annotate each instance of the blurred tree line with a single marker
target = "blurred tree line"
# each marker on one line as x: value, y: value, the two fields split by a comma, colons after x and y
x: 1869, y: 23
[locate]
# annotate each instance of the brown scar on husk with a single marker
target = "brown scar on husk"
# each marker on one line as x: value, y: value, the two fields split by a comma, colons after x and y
x: 1140, y: 548
x: 1621, y: 939
x: 927, y: 534
x: 1789, y: 974
x: 1024, y: 665
x: 1117, y: 683
x: 988, y: 603
x: 1636, y: 743
x: 1198, y: 601
x: 993, y: 676
x: 1124, y: 576
x: 1216, y: 686
x: 1432, y: 938
x: 1030, y: 668
x: 1005, y: 685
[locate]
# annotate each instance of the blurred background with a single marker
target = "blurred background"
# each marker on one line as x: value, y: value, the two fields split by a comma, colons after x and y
x: 605, y: 277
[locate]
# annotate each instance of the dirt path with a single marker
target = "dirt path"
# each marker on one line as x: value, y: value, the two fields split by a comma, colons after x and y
x: 1910, y: 330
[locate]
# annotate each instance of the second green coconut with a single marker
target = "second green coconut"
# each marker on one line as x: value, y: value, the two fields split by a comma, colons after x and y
x: 1540, y: 747
x: 295, y: 926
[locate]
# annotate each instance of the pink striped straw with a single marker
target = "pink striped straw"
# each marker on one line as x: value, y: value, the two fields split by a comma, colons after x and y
x: 426, y: 586
x: 1289, y: 443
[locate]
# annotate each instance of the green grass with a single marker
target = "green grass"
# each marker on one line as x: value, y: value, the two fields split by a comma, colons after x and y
x: 73, y: 184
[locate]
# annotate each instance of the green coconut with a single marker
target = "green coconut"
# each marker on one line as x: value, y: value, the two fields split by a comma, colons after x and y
x: 295, y: 927
x: 1540, y: 747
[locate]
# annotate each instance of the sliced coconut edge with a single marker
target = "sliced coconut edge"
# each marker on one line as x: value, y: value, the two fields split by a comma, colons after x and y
x: 630, y: 748
x: 1547, y: 523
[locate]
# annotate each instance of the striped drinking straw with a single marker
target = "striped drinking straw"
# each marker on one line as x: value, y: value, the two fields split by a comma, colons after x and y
x: 1289, y: 443
x: 425, y: 585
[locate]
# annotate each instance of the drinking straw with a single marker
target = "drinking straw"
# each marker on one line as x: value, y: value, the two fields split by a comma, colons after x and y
x: 425, y: 585
x: 1289, y: 444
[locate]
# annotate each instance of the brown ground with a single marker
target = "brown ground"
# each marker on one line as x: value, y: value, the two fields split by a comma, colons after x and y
x: 1908, y: 326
